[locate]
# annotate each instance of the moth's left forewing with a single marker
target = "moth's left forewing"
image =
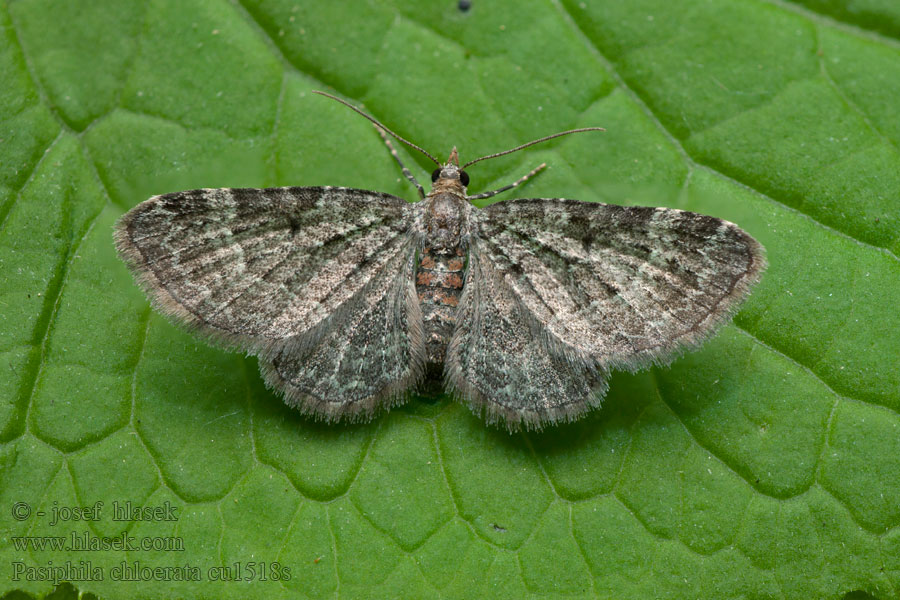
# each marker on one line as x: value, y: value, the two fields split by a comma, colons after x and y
x: 619, y: 286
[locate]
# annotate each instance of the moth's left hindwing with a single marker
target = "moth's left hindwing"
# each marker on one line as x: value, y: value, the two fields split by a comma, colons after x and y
x: 279, y: 272
x: 498, y: 361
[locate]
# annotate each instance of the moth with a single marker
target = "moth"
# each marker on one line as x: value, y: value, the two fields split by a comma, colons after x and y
x: 354, y: 298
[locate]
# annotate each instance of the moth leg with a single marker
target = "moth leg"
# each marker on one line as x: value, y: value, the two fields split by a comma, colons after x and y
x: 516, y: 183
x: 406, y: 172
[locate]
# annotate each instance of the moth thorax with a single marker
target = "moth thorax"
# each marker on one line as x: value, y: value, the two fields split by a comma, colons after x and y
x: 443, y: 221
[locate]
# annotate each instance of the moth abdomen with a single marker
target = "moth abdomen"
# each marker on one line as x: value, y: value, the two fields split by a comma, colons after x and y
x: 439, y: 283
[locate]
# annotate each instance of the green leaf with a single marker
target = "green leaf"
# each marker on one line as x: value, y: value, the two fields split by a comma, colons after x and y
x: 766, y: 464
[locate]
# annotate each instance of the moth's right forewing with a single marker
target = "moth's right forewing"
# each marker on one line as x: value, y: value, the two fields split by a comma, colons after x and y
x: 252, y: 268
x: 363, y: 362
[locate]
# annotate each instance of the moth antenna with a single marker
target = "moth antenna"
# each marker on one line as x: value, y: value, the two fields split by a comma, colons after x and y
x: 532, y: 143
x: 378, y: 124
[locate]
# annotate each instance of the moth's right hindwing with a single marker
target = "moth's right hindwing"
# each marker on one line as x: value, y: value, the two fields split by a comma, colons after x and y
x: 283, y: 270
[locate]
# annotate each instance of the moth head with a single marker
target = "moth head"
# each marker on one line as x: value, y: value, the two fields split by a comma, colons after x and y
x: 450, y: 171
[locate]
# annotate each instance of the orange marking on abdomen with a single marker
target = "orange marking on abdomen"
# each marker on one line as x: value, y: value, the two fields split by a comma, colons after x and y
x: 439, y: 283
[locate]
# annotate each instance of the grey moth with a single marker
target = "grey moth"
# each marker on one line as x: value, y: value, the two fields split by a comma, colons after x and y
x: 352, y: 299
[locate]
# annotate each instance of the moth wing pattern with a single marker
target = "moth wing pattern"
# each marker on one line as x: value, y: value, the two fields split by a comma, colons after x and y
x: 366, y: 361
x: 601, y: 286
x: 274, y: 271
x: 498, y: 363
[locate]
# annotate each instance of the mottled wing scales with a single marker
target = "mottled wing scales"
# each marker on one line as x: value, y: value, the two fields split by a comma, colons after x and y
x: 619, y: 286
x: 576, y: 289
x: 253, y: 267
x: 365, y: 361
x: 317, y: 281
x: 498, y: 361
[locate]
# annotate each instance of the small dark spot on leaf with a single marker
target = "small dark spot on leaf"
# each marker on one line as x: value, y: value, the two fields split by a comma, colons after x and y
x: 464, y: 5
x: 498, y: 528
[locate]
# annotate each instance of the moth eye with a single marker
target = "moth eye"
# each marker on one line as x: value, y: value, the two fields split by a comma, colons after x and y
x: 435, y: 174
x: 464, y: 177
